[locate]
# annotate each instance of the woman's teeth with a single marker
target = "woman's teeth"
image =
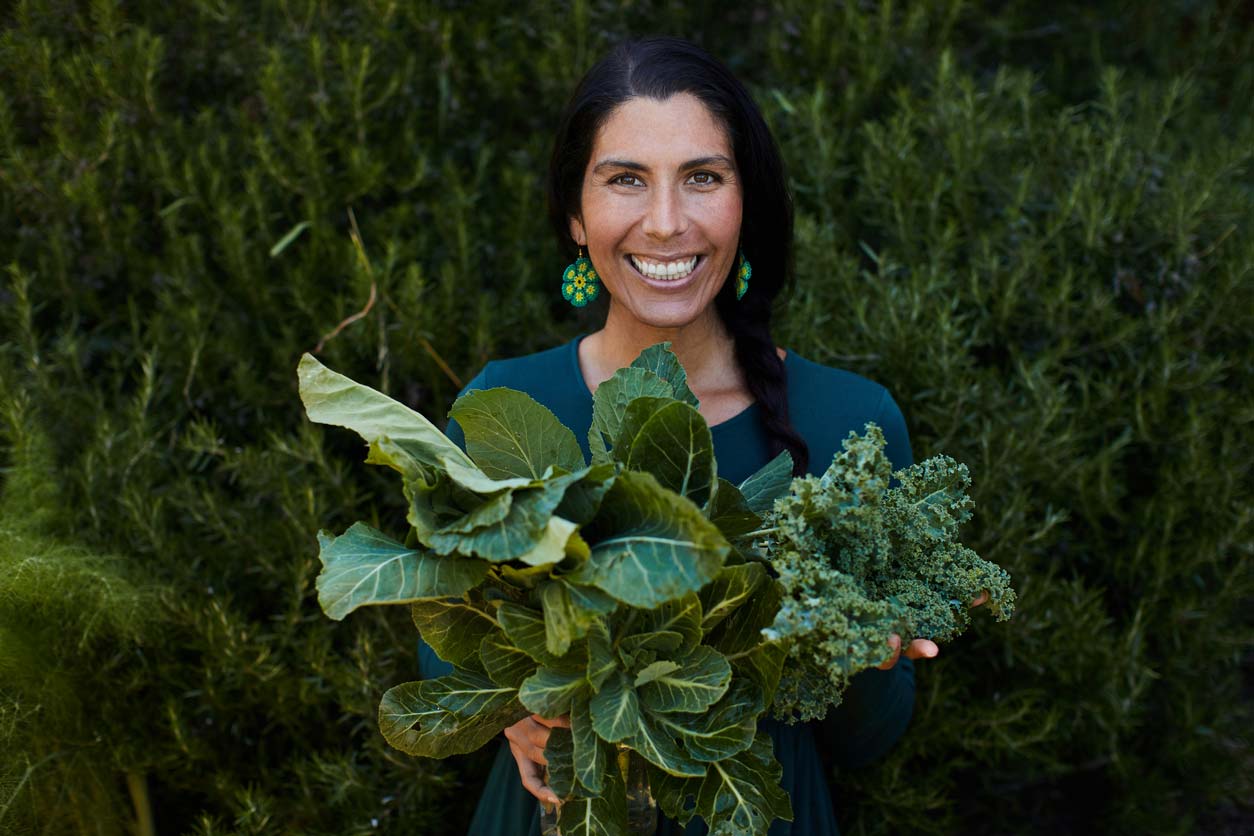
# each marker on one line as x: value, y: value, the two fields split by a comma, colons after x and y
x: 669, y: 271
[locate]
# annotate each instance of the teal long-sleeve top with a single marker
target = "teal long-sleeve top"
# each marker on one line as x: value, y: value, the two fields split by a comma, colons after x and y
x: 824, y: 404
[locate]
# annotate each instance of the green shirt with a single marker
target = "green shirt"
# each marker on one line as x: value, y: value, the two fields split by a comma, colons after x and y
x: 825, y: 404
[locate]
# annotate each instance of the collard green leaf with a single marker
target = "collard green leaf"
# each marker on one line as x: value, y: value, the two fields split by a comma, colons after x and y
x: 616, y: 708
x: 649, y: 545
x: 505, y: 664
x: 762, y: 666
x: 602, y: 660
x: 742, y: 630
x: 602, y: 815
x: 553, y: 544
x: 364, y: 566
x: 591, y: 756
x: 549, y: 692
x: 453, y: 629
x: 762, y: 488
x: 729, y: 511
x: 655, y: 670
x: 726, y: 728
x: 487, y: 534
x: 633, y: 648
x: 525, y: 629
x: 510, y: 434
x: 675, y: 445
x: 699, y: 681
x: 569, y: 610
x: 451, y: 715
x: 683, y: 616
x: 738, y: 796
x: 610, y: 401
x: 659, y: 748
x: 732, y: 588
x: 583, y: 498
x: 559, y: 752
x: 637, y: 414
x: 332, y: 398
x: 663, y: 362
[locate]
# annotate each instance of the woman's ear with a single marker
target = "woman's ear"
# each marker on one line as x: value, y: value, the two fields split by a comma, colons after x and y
x: 576, y: 232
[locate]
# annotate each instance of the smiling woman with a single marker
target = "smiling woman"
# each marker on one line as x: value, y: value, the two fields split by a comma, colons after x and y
x: 665, y: 171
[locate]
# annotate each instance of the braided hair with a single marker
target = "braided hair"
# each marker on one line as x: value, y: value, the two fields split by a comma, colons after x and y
x: 657, y: 68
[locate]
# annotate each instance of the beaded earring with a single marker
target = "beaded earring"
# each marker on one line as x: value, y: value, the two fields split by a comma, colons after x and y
x: 580, y: 282
x: 743, y: 272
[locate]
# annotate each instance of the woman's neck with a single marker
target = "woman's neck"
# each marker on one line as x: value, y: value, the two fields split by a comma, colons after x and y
x: 704, y: 348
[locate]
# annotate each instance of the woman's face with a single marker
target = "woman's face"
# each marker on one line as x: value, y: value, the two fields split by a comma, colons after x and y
x: 661, y: 209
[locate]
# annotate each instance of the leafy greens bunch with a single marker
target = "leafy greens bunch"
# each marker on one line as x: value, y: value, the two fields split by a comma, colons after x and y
x: 624, y: 592
x: 858, y: 561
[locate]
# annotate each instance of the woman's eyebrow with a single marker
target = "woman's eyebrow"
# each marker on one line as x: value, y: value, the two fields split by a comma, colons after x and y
x: 716, y: 159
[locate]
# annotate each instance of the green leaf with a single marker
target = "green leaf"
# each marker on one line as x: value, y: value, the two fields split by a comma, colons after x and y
x: 730, y: 513
x: 762, y: 666
x: 525, y: 629
x: 682, y: 616
x: 733, y: 587
x: 649, y: 545
x: 615, y: 708
x: 742, y: 630
x: 332, y: 398
x: 659, y: 641
x: 738, y: 795
x: 655, y: 670
x: 698, y: 681
x: 660, y: 749
x: 591, y: 755
x: 559, y: 752
x: 602, y: 661
x: 554, y: 543
x: 549, y: 692
x: 602, y: 815
x: 726, y: 728
x: 762, y: 488
x: 284, y: 242
x: 487, y: 533
x: 675, y: 445
x: 637, y: 414
x: 451, y: 715
x: 505, y: 664
x: 569, y: 610
x: 363, y: 567
x: 583, y: 498
x: 610, y: 401
x: 453, y: 629
x: 663, y: 362
x: 510, y: 434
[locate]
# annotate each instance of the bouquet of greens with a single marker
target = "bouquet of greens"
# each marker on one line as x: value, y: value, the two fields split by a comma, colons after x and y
x: 642, y: 595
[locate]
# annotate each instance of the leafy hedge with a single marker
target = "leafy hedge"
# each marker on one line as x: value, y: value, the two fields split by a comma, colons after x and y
x: 1033, y: 225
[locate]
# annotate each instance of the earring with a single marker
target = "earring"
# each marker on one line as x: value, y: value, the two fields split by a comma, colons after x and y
x: 580, y: 282
x: 743, y: 272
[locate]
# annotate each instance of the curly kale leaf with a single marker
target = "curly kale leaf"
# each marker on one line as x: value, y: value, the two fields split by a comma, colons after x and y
x: 858, y: 561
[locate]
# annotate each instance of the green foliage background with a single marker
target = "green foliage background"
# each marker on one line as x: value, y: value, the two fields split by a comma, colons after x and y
x: 1031, y: 221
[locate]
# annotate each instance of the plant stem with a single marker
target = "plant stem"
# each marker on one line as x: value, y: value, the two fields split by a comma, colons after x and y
x: 138, y: 786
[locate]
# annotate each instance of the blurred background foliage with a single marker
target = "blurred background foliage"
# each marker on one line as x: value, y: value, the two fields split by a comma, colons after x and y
x: 1031, y: 221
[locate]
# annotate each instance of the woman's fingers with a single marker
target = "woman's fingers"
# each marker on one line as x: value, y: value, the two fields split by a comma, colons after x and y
x: 531, y: 776
x: 562, y: 722
x: 981, y: 599
x: 922, y: 649
x: 894, y: 642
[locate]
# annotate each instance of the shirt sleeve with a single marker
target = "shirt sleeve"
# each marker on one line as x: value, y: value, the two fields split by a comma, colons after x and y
x: 877, y: 705
x: 430, y: 665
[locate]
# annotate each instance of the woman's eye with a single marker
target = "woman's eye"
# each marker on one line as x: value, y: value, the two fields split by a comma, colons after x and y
x: 620, y: 178
x: 710, y: 178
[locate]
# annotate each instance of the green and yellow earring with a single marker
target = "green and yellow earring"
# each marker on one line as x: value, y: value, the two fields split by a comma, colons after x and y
x: 743, y: 272
x: 580, y: 282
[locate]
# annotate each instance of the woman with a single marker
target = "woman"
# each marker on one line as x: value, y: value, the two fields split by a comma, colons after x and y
x: 665, y: 173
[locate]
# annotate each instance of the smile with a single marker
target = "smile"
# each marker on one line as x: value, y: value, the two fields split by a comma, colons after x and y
x: 669, y: 271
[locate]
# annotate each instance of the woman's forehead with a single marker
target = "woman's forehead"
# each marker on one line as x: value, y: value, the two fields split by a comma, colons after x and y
x: 663, y: 132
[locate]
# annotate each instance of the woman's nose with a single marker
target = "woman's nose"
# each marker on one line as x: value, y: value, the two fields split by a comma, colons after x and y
x: 664, y: 217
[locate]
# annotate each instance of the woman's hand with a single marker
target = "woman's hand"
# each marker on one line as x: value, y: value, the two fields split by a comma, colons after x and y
x: 527, y: 739
x: 919, y: 648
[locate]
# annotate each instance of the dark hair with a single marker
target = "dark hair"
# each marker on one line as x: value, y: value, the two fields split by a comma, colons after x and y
x: 658, y: 68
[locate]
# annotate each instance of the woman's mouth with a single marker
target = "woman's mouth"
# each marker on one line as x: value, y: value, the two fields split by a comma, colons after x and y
x: 667, y: 274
